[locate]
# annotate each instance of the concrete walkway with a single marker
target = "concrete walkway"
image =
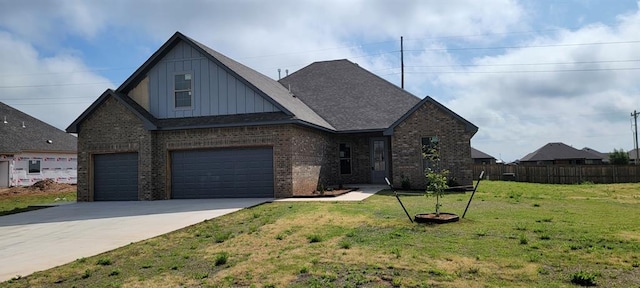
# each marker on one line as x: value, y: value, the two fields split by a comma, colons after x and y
x: 364, y: 191
x: 42, y: 239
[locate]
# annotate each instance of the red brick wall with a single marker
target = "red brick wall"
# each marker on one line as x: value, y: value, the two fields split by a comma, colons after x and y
x: 299, y: 153
x: 112, y: 128
x: 455, y: 146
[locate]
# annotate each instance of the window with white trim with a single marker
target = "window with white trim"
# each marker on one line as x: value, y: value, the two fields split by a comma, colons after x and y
x: 183, y: 96
x: 34, y: 166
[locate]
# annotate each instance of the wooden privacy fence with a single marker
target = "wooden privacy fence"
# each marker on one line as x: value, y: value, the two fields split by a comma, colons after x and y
x: 560, y: 174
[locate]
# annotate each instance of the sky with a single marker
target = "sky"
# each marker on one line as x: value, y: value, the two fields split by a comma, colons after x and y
x: 525, y: 72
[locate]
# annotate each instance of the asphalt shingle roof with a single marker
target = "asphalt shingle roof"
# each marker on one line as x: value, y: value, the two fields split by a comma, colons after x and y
x: 349, y: 97
x: 597, y: 154
x: 33, y: 137
x: 267, y: 87
x: 332, y: 95
x: 557, y: 150
x: 477, y: 154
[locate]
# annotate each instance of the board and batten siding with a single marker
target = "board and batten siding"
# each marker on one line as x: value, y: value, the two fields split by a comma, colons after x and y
x: 214, y: 90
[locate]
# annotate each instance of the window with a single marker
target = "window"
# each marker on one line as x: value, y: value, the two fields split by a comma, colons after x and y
x: 182, y: 90
x: 429, y: 146
x: 34, y: 166
x: 345, y: 158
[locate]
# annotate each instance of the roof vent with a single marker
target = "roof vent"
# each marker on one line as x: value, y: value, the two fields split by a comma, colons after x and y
x: 5, y: 120
x: 23, y: 125
x: 49, y: 141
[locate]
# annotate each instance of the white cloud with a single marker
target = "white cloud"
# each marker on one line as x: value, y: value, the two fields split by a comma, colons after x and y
x: 53, y: 89
x: 517, y: 112
x: 522, y: 110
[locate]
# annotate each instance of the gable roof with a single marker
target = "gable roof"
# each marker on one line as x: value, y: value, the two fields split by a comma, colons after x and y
x: 557, y: 151
x: 633, y: 153
x: 597, y: 154
x: 152, y: 123
x: 349, y: 97
x: 266, y: 87
x: 148, y: 120
x: 477, y: 154
x: 468, y: 125
x: 33, y: 136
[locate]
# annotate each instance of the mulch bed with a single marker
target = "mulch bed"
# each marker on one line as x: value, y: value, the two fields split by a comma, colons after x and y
x: 432, y: 218
x: 327, y: 193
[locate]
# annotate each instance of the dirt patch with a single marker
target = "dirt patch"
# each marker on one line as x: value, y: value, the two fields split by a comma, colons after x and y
x: 42, y: 187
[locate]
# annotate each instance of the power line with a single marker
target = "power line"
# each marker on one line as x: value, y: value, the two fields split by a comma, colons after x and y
x: 526, y: 64
x: 527, y: 46
x: 53, y: 85
x: 515, y: 71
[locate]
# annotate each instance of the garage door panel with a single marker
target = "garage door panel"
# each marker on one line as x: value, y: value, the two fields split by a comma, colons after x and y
x: 222, y: 173
x: 115, y: 177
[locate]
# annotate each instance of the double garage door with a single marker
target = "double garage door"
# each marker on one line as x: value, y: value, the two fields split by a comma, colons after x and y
x: 219, y: 173
x: 222, y: 173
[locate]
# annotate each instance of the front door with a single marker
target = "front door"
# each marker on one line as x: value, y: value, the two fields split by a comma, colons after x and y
x: 379, y: 160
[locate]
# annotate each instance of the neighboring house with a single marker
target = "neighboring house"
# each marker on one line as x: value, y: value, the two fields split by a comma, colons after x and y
x: 560, y: 154
x: 31, y: 150
x: 480, y: 157
x: 193, y: 123
x: 604, y: 157
x: 633, y: 154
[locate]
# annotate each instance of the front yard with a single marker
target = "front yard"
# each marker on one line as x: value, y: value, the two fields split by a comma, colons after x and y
x: 515, y: 234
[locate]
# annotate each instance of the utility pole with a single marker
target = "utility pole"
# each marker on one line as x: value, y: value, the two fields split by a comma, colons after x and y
x: 401, y: 63
x: 635, y: 126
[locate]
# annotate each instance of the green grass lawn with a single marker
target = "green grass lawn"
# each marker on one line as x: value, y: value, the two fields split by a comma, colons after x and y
x: 10, y: 204
x: 514, y: 235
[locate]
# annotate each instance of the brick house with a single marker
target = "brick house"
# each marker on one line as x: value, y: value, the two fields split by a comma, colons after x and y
x: 193, y: 123
x: 32, y: 150
x: 482, y: 158
x: 558, y: 153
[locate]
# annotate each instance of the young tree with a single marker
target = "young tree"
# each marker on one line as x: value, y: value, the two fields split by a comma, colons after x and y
x: 619, y: 157
x: 436, y: 177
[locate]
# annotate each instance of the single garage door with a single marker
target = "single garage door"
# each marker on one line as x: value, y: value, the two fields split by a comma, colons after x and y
x: 115, y: 177
x: 222, y: 173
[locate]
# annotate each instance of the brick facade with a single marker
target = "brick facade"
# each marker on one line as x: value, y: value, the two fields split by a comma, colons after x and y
x: 303, y: 157
x: 455, y: 146
x: 112, y: 128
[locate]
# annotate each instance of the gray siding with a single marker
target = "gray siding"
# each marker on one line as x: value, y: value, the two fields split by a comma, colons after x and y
x: 215, y: 92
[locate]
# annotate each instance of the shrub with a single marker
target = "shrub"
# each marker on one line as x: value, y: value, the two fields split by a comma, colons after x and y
x: 222, y: 236
x: 619, y: 157
x: 221, y: 258
x: 583, y: 278
x: 104, y: 261
x: 405, y: 183
x: 314, y: 238
x: 87, y: 274
x: 523, y: 240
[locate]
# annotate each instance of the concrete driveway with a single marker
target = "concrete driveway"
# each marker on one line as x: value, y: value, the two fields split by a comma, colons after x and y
x: 42, y: 239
